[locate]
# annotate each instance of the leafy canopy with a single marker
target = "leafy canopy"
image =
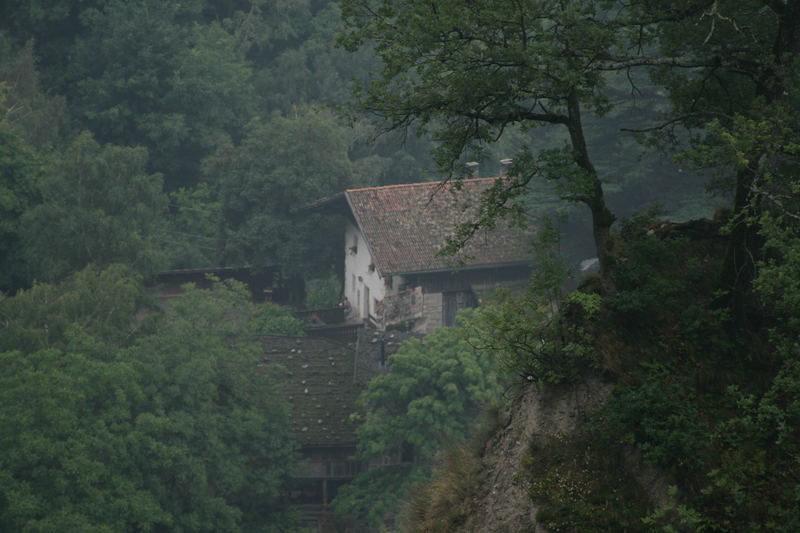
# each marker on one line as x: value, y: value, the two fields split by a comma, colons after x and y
x: 99, y: 206
x: 435, y: 390
x: 172, y: 427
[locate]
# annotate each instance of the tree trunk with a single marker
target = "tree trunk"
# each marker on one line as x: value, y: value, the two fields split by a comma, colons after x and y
x: 743, y: 250
x: 745, y: 244
x: 602, y: 217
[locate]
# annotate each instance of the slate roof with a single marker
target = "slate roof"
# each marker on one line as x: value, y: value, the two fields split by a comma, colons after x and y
x: 406, y: 226
x: 324, y: 377
x: 319, y: 387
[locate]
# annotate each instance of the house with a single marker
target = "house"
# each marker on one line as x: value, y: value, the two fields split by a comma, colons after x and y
x: 394, y: 275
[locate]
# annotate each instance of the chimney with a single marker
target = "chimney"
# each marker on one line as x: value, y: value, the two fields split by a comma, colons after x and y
x: 474, y: 167
x: 505, y: 164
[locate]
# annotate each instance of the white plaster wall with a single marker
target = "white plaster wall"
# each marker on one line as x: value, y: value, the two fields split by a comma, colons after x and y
x: 357, y: 275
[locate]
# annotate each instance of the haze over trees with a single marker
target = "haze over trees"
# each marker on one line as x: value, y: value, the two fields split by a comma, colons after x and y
x: 139, y: 136
x: 677, y: 307
x: 164, y: 426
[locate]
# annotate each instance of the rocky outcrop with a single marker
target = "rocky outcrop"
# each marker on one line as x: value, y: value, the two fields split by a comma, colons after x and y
x: 502, y: 503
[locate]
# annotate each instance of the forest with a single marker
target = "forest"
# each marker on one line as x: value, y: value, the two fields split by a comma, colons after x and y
x: 660, y: 137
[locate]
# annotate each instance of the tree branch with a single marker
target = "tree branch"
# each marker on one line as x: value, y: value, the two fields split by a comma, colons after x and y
x: 652, y: 61
x: 518, y: 116
x: 673, y: 121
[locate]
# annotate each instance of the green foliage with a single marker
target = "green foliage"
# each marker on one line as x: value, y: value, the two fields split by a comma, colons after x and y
x: 184, y: 80
x: 435, y: 389
x: 530, y: 339
x: 582, y: 487
x: 719, y: 416
x: 272, y: 319
x: 760, y: 446
x: 750, y: 483
x: 323, y: 292
x: 87, y: 305
x: 18, y: 193
x: 176, y: 428
x: 538, y: 335
x: 214, y: 427
x: 315, y: 71
x: 412, y: 40
x: 40, y: 119
x: 661, y: 414
x: 192, y: 227
x: 443, y: 503
x: 644, y: 288
x: 99, y: 206
x: 379, y: 494
x: 142, y: 73
x: 282, y: 165
x: 68, y: 462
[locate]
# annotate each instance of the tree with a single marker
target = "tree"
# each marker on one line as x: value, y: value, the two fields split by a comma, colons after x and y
x: 435, y: 390
x: 192, y: 227
x: 174, y: 427
x: 745, y: 60
x: 17, y: 194
x: 52, y: 24
x: 39, y: 118
x: 93, y: 304
x: 99, y: 206
x: 470, y: 71
x: 314, y: 71
x: 272, y: 319
x: 141, y: 75
x: 281, y: 166
x: 224, y: 426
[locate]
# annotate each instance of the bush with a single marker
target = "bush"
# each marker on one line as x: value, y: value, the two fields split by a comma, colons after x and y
x: 272, y: 319
x: 533, y: 340
x: 322, y: 293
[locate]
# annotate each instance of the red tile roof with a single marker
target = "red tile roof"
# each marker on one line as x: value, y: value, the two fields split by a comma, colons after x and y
x: 406, y: 226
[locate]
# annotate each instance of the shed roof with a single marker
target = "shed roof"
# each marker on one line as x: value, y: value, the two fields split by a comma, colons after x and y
x: 406, y: 226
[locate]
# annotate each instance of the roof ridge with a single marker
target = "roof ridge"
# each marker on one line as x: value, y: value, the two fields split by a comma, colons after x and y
x: 398, y: 185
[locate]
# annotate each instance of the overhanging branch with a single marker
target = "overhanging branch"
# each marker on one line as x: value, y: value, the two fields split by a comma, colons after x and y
x: 654, y: 61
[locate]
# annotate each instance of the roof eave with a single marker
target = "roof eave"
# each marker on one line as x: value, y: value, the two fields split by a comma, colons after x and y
x: 454, y: 270
x: 336, y: 203
x: 364, y: 234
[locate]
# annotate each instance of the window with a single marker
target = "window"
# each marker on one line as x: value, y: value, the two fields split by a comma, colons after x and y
x: 354, y: 245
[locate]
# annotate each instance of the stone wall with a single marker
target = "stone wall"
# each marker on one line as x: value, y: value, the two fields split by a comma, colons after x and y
x: 401, y: 307
x: 431, y: 313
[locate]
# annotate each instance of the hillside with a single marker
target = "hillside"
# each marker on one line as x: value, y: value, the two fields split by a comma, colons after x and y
x: 672, y: 424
